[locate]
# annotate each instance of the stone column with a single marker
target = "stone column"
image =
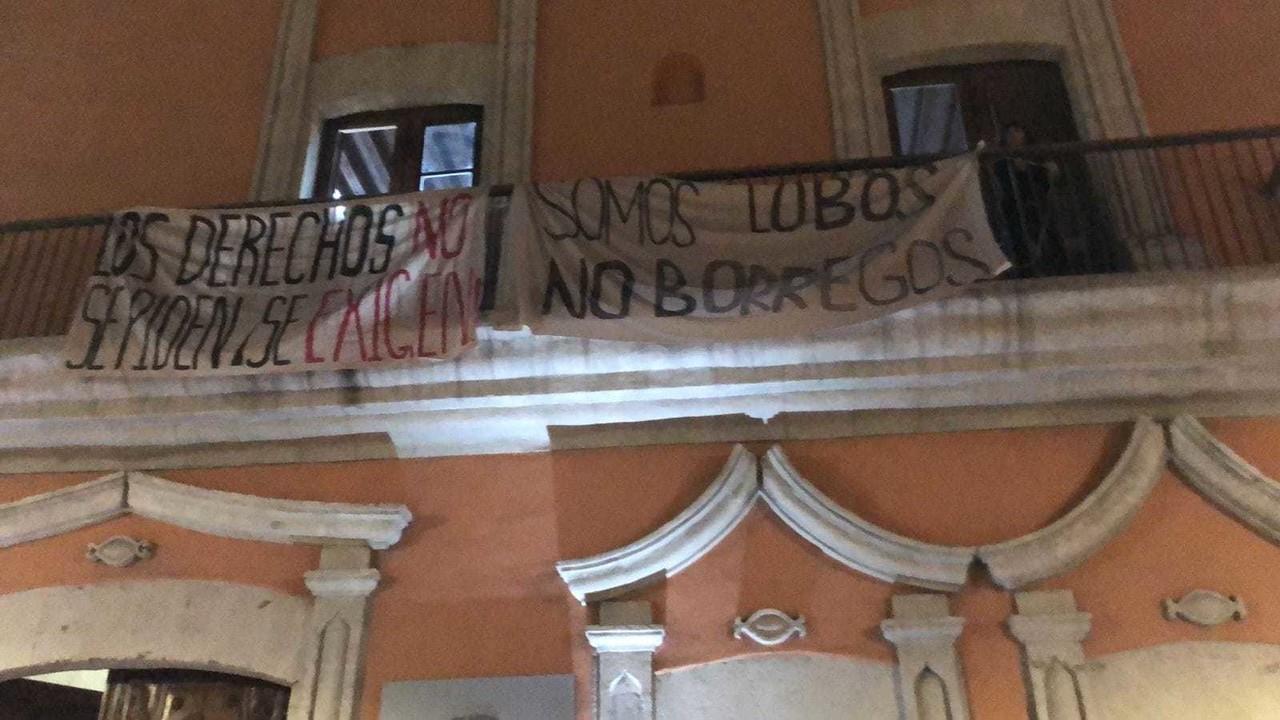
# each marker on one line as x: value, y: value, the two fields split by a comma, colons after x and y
x: 1051, y: 629
x: 335, y: 631
x: 930, y: 682
x: 283, y: 121
x: 624, y: 642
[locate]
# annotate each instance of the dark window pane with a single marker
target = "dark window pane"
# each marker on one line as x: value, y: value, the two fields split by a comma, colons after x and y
x: 363, y: 161
x: 448, y: 147
x: 929, y: 120
x: 448, y: 180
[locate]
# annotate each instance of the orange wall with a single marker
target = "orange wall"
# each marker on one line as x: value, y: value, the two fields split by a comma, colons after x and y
x: 766, y: 93
x: 1204, y: 65
x: 108, y: 104
x: 349, y: 26
x: 471, y: 590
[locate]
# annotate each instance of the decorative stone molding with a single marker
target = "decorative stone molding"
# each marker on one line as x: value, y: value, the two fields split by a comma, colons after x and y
x: 1205, y: 608
x: 858, y: 129
x: 1104, y: 514
x: 624, y: 642
x: 153, y: 624
x: 1051, y: 630
x: 674, y: 546
x: 300, y: 95
x: 283, y: 117
x: 517, y: 40
x: 315, y: 646
x: 863, y: 546
x: 396, y: 77
x: 1224, y: 477
x: 930, y: 682
x: 119, y: 551
x: 214, y: 512
x: 1099, y: 53
x: 854, y: 542
x: 1079, y: 34
x: 769, y: 627
x: 336, y: 629
x: 1003, y: 355
x: 60, y: 511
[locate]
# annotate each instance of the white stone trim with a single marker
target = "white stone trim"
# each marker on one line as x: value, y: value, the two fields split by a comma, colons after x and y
x: 674, y: 546
x: 1100, y: 517
x: 336, y: 583
x: 625, y: 638
x: 924, y: 633
x: 1051, y: 631
x: 1079, y: 34
x: 858, y: 130
x: 283, y: 116
x: 215, y: 512
x: 1007, y: 354
x: 1228, y: 480
x: 396, y: 77
x: 517, y: 42
x: 854, y: 542
x: 62, y: 511
x: 154, y: 624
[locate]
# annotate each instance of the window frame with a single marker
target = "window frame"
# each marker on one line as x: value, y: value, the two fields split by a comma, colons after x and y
x: 411, y: 124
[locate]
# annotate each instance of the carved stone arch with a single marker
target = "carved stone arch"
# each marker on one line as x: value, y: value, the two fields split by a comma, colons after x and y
x: 313, y: 645
x: 193, y: 624
x: 854, y: 542
x: 1226, y: 479
x: 674, y: 546
x: 1070, y: 540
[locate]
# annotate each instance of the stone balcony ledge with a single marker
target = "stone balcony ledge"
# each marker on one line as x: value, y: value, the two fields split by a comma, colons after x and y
x: 1087, y: 349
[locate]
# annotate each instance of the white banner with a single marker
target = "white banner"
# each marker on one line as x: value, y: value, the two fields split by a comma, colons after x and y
x: 671, y: 260
x: 283, y: 289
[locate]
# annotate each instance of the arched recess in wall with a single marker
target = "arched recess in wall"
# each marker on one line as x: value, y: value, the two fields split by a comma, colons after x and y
x: 1080, y: 35
x: 313, y: 644
x: 678, y: 79
x: 862, y: 546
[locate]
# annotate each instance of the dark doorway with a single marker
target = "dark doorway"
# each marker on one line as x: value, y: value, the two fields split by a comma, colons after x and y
x: 146, y: 695
x: 950, y: 108
x: 24, y: 699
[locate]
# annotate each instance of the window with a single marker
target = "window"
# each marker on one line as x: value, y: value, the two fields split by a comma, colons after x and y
x: 948, y: 109
x: 396, y: 151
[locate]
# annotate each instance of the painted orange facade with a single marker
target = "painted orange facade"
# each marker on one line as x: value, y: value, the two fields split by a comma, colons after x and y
x: 471, y: 591
x: 113, y: 104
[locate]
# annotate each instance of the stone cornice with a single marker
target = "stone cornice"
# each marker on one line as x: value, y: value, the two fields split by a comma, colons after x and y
x: 1013, y: 353
x: 215, y: 512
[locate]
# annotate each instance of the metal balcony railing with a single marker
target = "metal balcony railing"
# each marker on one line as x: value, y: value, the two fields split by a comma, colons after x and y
x: 1174, y: 203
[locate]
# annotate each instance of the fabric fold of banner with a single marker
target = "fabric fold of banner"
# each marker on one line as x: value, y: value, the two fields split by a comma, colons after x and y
x: 283, y: 289
x: 661, y: 259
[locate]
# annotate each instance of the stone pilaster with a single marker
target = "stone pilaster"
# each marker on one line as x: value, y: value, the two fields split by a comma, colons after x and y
x: 342, y: 587
x: 624, y: 642
x: 930, y: 682
x: 1051, y: 630
x: 283, y: 121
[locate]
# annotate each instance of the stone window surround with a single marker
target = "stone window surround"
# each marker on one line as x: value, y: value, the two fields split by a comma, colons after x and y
x: 302, y: 93
x: 313, y: 645
x: 859, y: 53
